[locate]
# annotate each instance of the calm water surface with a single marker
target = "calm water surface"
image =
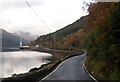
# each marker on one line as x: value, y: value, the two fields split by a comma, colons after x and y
x: 16, y: 62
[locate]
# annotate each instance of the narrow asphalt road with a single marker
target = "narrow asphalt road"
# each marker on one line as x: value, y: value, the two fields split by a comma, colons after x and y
x: 70, y: 69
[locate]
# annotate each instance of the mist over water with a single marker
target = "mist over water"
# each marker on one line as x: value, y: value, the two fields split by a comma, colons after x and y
x: 17, y: 62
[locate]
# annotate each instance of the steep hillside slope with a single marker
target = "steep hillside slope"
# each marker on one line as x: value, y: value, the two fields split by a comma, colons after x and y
x: 48, y: 40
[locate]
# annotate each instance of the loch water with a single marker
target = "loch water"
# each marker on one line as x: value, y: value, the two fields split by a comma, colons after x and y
x: 20, y: 61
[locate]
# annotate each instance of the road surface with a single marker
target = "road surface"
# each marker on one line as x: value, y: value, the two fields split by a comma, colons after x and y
x: 70, y: 69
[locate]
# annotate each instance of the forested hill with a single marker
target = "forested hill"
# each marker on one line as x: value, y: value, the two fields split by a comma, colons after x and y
x: 72, y: 28
x: 48, y: 40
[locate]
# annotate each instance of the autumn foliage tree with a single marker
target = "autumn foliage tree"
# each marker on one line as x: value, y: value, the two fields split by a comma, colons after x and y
x: 103, y: 42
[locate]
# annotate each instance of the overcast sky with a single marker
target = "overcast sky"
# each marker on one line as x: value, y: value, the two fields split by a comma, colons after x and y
x: 16, y: 15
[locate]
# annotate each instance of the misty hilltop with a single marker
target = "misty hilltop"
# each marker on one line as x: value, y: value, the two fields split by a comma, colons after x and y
x: 25, y: 35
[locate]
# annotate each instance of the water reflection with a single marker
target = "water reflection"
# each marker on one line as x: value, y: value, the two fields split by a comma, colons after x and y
x: 21, y: 61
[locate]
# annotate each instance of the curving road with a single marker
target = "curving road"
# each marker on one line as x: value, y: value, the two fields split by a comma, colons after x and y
x: 70, y: 69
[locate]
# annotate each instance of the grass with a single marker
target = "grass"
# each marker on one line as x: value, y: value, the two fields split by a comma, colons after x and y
x: 102, y: 70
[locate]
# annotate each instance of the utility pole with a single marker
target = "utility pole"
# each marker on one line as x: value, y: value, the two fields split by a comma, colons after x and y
x: 54, y: 44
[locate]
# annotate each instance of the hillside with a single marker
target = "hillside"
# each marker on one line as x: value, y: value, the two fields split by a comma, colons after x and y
x: 10, y: 41
x: 48, y: 40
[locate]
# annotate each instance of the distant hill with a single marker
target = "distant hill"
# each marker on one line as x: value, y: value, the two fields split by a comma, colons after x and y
x: 65, y: 31
x: 25, y: 35
x: 10, y: 41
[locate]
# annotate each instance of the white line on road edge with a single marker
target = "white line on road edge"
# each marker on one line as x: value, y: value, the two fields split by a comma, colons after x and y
x: 55, y: 69
x: 65, y: 61
x: 88, y: 72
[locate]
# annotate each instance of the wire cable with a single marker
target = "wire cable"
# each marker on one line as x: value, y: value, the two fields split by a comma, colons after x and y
x: 42, y: 22
x: 37, y: 15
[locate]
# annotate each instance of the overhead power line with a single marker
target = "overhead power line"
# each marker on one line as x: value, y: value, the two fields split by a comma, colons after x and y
x: 37, y: 15
x: 42, y: 22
